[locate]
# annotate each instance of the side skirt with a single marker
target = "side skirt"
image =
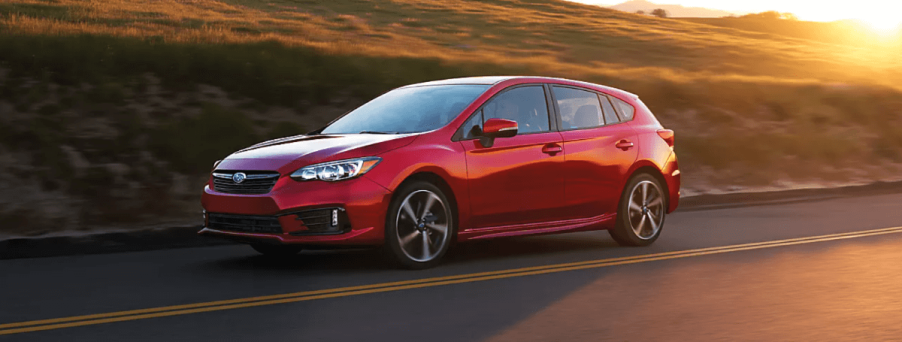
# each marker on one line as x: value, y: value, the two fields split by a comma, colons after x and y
x: 565, y: 226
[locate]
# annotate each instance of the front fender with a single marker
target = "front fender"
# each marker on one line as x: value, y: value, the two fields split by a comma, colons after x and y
x: 447, y: 161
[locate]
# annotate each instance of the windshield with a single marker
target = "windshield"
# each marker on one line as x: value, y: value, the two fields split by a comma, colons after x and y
x: 408, y: 110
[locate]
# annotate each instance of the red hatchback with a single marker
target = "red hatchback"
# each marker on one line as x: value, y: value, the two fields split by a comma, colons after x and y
x: 429, y: 164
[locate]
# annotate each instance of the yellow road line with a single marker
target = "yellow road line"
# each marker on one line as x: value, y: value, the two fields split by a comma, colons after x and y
x: 406, y: 282
x: 66, y: 322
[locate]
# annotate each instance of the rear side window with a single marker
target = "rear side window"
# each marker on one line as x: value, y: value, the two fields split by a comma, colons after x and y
x: 610, y: 116
x: 626, y: 109
x: 579, y: 108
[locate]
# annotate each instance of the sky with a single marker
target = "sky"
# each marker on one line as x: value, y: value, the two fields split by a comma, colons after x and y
x: 884, y: 14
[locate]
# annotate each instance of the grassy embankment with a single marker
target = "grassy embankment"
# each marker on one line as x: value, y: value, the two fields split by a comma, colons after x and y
x: 112, y: 111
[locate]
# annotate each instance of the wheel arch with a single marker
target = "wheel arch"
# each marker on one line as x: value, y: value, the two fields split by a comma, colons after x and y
x: 654, y: 171
x: 443, y: 185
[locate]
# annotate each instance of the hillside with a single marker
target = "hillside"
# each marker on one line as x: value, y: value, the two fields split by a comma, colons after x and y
x: 845, y: 32
x: 672, y: 10
x: 111, y: 112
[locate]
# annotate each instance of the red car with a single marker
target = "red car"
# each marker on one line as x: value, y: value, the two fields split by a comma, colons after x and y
x: 429, y: 164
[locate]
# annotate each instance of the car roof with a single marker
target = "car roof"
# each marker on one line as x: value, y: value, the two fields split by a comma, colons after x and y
x: 493, y: 80
x: 488, y: 80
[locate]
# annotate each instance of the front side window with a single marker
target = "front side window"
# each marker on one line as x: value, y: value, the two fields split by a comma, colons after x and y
x: 408, y: 110
x: 473, y: 127
x: 525, y: 105
x: 579, y: 108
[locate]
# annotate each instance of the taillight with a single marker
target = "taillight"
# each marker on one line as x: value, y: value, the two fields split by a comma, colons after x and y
x: 667, y: 135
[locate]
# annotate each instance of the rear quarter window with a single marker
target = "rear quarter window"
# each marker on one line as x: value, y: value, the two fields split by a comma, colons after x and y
x: 626, y: 110
x: 610, y: 115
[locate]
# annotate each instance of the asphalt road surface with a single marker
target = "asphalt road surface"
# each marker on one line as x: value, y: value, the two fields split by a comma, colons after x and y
x: 826, y: 270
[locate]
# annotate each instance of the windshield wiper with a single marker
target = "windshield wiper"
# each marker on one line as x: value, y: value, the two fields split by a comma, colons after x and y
x: 376, y: 132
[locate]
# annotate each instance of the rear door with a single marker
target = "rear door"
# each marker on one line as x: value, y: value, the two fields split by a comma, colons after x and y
x: 517, y: 180
x: 600, y: 150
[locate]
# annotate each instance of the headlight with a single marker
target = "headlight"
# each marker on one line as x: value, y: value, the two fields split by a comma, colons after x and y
x: 337, y: 170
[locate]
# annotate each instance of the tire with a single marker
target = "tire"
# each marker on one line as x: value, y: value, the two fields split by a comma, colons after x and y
x: 640, y: 221
x: 276, y: 251
x: 419, y: 226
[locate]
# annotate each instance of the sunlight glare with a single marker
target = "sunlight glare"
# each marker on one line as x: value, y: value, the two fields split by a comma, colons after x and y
x: 883, y: 23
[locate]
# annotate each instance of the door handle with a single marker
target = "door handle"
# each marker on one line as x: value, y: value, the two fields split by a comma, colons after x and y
x: 624, y: 144
x: 552, y: 149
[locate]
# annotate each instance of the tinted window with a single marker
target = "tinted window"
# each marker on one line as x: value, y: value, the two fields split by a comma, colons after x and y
x: 610, y: 116
x: 408, y: 110
x: 525, y: 105
x: 579, y: 108
x: 626, y: 110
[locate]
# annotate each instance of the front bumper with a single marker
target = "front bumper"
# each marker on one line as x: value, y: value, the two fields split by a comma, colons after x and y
x: 362, y: 201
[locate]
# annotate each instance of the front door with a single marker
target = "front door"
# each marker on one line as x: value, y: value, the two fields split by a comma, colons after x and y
x: 517, y: 180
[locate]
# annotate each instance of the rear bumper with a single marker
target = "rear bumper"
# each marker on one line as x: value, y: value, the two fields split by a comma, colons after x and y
x: 364, y: 203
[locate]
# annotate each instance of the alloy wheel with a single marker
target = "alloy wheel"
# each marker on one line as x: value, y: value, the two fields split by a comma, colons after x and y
x: 646, y: 209
x: 422, y: 223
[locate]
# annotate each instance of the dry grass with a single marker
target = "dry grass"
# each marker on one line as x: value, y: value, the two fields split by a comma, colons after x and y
x: 544, y: 35
x: 98, y: 95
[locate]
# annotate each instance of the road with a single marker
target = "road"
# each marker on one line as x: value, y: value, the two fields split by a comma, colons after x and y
x: 825, y: 270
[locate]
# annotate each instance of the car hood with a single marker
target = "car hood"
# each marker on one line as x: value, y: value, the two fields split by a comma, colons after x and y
x: 288, y: 154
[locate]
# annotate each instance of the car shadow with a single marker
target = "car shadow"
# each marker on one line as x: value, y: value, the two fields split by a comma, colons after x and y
x: 521, y: 247
x: 502, y: 250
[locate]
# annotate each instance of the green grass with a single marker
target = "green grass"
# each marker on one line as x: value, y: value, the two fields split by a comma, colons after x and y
x: 188, y: 144
x: 267, y: 71
x: 36, y: 10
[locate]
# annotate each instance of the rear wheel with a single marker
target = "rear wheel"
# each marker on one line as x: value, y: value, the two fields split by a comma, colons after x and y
x: 640, y: 215
x: 276, y: 251
x: 419, y: 226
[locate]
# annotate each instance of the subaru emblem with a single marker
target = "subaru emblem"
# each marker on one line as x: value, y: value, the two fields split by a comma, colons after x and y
x: 239, y: 177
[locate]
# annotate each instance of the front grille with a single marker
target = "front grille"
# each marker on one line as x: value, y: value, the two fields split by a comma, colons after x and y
x: 244, y: 223
x: 254, y: 182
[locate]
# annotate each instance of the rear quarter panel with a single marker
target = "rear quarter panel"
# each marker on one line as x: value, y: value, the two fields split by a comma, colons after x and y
x: 654, y: 151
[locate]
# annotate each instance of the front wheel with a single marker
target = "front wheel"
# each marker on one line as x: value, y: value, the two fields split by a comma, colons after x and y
x: 640, y: 215
x: 419, y: 226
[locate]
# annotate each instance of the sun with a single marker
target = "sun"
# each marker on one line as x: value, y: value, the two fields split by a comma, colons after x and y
x: 882, y: 23
x: 879, y: 16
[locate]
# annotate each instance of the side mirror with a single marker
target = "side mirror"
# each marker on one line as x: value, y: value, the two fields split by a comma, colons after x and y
x: 497, y: 128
